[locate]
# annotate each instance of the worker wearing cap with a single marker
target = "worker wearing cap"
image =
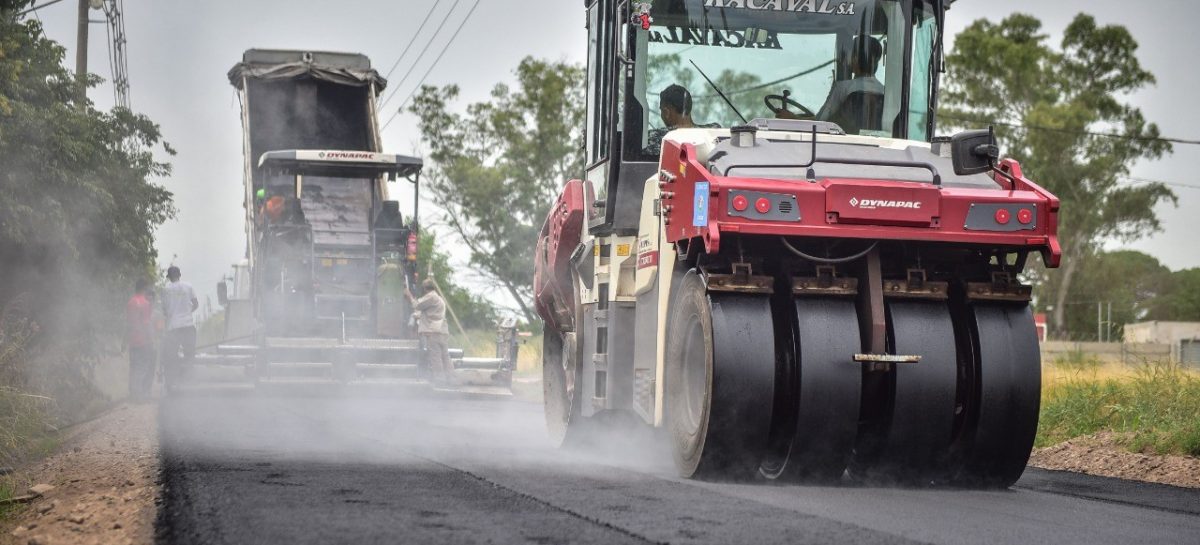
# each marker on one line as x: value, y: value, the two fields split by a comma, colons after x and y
x: 430, y: 312
x: 178, y: 303
x: 140, y: 341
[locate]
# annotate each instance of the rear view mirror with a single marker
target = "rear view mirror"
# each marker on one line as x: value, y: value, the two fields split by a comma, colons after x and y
x: 223, y: 293
x: 974, y: 152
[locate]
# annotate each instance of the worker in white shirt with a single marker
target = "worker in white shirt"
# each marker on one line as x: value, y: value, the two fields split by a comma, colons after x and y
x: 178, y: 304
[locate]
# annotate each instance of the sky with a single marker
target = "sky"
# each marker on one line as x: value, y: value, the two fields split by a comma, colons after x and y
x: 179, y: 53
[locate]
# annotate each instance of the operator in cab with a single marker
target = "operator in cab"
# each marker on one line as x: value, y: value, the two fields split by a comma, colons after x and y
x: 675, y: 109
x: 848, y: 98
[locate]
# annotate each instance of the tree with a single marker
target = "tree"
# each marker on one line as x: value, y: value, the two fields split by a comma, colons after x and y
x: 1130, y: 281
x: 473, y: 311
x: 1180, y: 301
x: 1047, y: 103
x: 77, y: 208
x: 498, y: 167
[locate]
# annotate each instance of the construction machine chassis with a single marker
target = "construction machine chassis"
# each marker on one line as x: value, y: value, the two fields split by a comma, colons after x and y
x: 885, y: 346
x: 330, y: 256
x: 798, y: 295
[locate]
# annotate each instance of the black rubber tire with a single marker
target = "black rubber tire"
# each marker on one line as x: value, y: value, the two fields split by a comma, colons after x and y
x: 562, y: 409
x: 914, y: 444
x: 720, y: 373
x: 1007, y: 367
x: 829, y: 389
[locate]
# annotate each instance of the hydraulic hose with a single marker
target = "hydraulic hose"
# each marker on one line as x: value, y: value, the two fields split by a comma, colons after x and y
x: 828, y: 260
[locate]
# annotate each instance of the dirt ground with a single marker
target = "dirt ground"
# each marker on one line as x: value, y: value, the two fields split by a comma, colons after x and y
x: 104, y: 480
x: 1099, y: 455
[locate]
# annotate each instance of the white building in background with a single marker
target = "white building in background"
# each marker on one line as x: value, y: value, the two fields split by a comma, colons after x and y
x: 1183, y: 337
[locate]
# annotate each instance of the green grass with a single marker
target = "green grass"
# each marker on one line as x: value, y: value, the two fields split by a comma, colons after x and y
x: 25, y: 421
x: 25, y: 433
x: 1077, y: 360
x: 7, y: 490
x: 482, y: 343
x: 1149, y: 408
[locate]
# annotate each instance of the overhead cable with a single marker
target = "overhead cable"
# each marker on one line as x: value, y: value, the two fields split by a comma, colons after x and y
x: 1140, y: 181
x: 1075, y: 131
x: 35, y: 8
x: 413, y: 39
x: 435, y: 63
x: 420, y: 55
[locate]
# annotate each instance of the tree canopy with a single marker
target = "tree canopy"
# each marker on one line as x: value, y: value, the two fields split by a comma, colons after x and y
x: 1180, y: 301
x: 1047, y: 104
x: 1131, y: 282
x: 498, y: 167
x: 472, y: 310
x: 78, y: 204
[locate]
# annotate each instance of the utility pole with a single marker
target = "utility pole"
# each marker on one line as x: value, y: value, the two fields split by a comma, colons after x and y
x: 1108, y: 331
x: 81, y: 51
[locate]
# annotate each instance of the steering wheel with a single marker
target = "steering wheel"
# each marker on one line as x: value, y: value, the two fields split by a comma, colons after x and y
x: 782, y: 102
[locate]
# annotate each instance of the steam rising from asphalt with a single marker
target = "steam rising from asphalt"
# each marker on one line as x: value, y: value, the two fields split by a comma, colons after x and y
x: 395, y: 429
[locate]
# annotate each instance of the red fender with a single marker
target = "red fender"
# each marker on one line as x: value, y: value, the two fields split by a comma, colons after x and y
x: 554, y: 295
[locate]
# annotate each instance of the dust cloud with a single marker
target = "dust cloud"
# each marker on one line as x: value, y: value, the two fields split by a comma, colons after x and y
x: 415, y: 427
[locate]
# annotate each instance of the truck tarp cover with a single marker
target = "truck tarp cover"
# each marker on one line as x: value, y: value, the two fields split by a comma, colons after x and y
x: 306, y: 100
x: 340, y: 68
x: 312, y: 100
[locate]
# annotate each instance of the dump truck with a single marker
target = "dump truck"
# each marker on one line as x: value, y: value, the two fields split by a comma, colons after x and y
x: 775, y: 258
x: 329, y: 255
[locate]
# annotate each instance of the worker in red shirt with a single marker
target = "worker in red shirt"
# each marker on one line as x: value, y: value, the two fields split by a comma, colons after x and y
x: 141, y: 341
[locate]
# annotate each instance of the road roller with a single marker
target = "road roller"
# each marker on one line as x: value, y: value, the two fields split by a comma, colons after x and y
x: 775, y: 259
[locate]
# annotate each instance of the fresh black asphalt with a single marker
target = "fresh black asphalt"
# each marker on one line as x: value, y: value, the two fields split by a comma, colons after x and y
x: 446, y: 469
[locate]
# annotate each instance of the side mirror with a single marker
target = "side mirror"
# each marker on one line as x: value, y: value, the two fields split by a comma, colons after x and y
x: 223, y: 293
x: 974, y: 152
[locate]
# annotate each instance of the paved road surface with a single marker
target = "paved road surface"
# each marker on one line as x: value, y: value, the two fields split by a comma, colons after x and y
x: 443, y: 470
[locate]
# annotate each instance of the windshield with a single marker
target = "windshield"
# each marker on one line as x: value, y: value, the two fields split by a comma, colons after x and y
x: 803, y: 59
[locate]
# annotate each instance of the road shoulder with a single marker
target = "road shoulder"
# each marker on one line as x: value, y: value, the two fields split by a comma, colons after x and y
x: 1142, y: 494
x: 104, y: 484
x: 1100, y: 455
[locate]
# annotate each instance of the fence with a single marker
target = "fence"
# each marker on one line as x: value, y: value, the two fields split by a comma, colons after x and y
x: 1126, y: 353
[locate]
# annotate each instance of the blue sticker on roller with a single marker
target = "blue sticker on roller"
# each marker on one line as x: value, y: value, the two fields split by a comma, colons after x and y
x: 700, y: 206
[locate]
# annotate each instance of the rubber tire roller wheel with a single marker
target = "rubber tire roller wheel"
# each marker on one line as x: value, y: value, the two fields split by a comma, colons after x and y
x: 562, y: 409
x: 829, y: 389
x: 914, y: 445
x: 1008, y: 371
x: 720, y: 373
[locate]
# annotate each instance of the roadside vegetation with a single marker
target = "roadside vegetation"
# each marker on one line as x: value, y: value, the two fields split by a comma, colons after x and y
x: 482, y: 343
x: 497, y: 168
x: 1152, y: 407
x: 1082, y: 87
x: 27, y: 430
x: 78, y: 208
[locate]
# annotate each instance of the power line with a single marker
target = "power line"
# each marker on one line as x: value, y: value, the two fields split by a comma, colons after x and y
x: 435, y: 63
x: 1073, y: 131
x: 420, y: 55
x: 413, y: 40
x: 35, y: 8
x: 1140, y: 181
x: 118, y: 64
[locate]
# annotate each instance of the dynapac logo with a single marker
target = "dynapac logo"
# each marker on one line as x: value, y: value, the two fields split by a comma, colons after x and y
x: 346, y: 155
x: 873, y: 204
